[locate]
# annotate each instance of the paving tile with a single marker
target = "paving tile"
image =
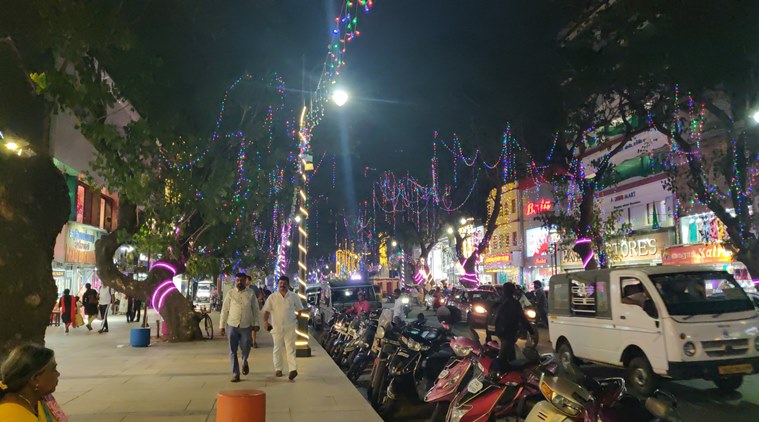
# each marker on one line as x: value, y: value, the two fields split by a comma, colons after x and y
x: 104, y: 379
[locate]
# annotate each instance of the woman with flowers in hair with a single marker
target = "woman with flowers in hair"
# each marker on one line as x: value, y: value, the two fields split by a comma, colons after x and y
x: 28, y: 378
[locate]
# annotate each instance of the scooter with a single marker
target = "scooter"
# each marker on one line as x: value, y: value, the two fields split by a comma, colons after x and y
x: 604, y: 400
x: 510, y: 391
x: 458, y: 372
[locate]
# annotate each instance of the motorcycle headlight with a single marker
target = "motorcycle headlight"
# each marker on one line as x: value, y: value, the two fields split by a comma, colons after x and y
x: 459, y: 412
x: 479, y: 309
x: 562, y: 403
x: 460, y: 350
x: 404, y: 300
x: 380, y: 332
x: 689, y: 349
x: 414, y: 345
x: 530, y: 313
x: 338, y: 326
x: 565, y: 405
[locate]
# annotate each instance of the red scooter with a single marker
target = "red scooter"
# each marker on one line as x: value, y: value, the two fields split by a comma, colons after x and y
x: 509, y: 393
x: 459, y: 371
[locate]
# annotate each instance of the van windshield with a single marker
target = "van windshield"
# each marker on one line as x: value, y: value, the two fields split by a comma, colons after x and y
x: 701, y: 293
x: 350, y: 294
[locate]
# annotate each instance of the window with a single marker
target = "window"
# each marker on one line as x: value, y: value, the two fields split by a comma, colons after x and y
x: 590, y: 298
x: 514, y: 239
x: 506, y: 241
x: 513, y: 205
x: 635, y: 294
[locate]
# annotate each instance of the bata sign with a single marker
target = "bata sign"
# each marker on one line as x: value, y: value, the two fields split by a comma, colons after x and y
x: 696, y: 254
x: 497, y: 261
x: 541, y: 206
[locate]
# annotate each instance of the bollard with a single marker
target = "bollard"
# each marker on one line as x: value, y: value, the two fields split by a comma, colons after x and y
x: 241, y: 406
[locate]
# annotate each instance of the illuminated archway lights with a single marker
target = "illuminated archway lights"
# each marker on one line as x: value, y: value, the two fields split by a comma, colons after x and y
x: 585, y: 259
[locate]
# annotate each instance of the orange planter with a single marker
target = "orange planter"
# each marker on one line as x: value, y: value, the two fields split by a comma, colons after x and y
x: 241, y: 406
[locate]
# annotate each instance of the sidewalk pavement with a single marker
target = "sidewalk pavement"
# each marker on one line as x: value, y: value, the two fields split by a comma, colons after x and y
x: 103, y: 378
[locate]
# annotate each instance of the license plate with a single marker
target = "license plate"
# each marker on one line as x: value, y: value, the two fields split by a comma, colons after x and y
x: 443, y: 373
x: 474, y: 386
x: 403, y: 354
x: 744, y: 368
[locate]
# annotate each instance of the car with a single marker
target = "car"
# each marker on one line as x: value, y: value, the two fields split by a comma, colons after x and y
x: 342, y: 294
x: 474, y: 305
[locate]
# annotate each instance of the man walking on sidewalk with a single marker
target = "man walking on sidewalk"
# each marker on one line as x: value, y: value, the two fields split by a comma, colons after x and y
x: 240, y: 314
x: 281, y: 308
x: 105, y: 299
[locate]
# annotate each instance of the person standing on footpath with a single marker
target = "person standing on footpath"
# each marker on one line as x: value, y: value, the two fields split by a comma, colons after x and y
x: 240, y: 314
x: 105, y: 299
x: 259, y: 300
x: 281, y: 308
x: 67, y: 305
x: 90, y: 302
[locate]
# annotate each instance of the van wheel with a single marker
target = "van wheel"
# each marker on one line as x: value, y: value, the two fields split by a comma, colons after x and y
x: 640, y: 377
x: 727, y: 384
x: 567, y: 360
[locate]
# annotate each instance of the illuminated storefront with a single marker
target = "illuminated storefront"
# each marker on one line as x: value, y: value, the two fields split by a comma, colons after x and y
x: 74, y: 257
x: 709, y: 253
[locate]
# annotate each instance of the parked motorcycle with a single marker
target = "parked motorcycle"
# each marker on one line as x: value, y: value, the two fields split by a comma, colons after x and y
x: 458, y: 372
x: 414, y: 367
x: 388, y: 341
x: 508, y: 391
x: 604, y: 400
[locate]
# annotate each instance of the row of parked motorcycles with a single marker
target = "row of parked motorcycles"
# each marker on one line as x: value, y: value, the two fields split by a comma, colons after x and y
x: 464, y: 381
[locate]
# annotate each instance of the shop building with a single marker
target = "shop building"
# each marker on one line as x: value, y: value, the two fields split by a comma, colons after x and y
x: 541, y: 257
x: 502, y: 263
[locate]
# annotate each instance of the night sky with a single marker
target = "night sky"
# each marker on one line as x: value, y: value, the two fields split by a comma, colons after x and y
x: 467, y: 67
x: 421, y: 66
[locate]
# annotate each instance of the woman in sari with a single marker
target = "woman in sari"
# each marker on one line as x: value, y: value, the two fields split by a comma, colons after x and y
x: 67, y: 305
x: 29, y: 377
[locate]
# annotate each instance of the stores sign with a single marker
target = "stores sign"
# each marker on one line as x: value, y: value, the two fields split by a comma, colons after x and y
x: 544, y: 205
x: 634, y: 249
x: 80, y: 243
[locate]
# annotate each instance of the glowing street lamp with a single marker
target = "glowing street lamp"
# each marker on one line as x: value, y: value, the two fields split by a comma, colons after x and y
x: 462, y: 221
x: 297, y: 219
x: 340, y: 97
x: 394, y: 243
x: 450, y: 230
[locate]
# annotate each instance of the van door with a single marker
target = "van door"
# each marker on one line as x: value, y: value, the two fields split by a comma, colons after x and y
x: 637, y: 320
x: 592, y: 322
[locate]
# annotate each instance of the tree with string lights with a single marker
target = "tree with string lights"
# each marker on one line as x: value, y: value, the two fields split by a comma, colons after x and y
x: 700, y: 88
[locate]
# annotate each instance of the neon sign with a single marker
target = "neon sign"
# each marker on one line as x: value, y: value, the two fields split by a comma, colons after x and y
x: 544, y: 205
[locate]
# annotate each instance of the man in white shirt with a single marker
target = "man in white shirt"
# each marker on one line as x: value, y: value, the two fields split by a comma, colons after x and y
x: 240, y: 314
x: 398, y: 306
x: 281, y: 308
x: 105, y: 298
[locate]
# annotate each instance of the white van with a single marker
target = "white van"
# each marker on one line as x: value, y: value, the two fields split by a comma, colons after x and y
x: 680, y: 322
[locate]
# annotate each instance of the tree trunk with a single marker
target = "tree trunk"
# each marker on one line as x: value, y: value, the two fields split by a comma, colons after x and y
x: 177, y: 312
x: 584, y: 224
x: 749, y: 256
x: 34, y: 206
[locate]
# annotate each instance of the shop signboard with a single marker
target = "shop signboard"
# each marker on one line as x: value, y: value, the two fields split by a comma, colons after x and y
x: 622, y: 197
x: 641, y: 144
x: 80, y: 243
x: 696, y: 254
x: 536, y: 241
x: 538, y: 207
x: 643, y: 249
x: 59, y: 273
x: 497, y: 262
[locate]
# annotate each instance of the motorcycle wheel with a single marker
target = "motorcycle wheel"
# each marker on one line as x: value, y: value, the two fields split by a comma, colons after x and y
x: 356, y: 370
x: 389, y: 408
x: 378, y: 382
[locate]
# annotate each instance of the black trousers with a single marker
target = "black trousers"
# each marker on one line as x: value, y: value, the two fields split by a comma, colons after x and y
x: 508, y: 352
x: 104, y: 315
x: 137, y: 308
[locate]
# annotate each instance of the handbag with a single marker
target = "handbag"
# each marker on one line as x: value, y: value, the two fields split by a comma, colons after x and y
x: 79, y: 320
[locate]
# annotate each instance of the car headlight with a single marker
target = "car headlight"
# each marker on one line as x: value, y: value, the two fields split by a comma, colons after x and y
x: 530, y: 313
x: 479, y: 309
x: 689, y: 349
x: 459, y: 412
x: 404, y: 300
x: 380, y: 332
x: 561, y: 403
x: 460, y: 350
